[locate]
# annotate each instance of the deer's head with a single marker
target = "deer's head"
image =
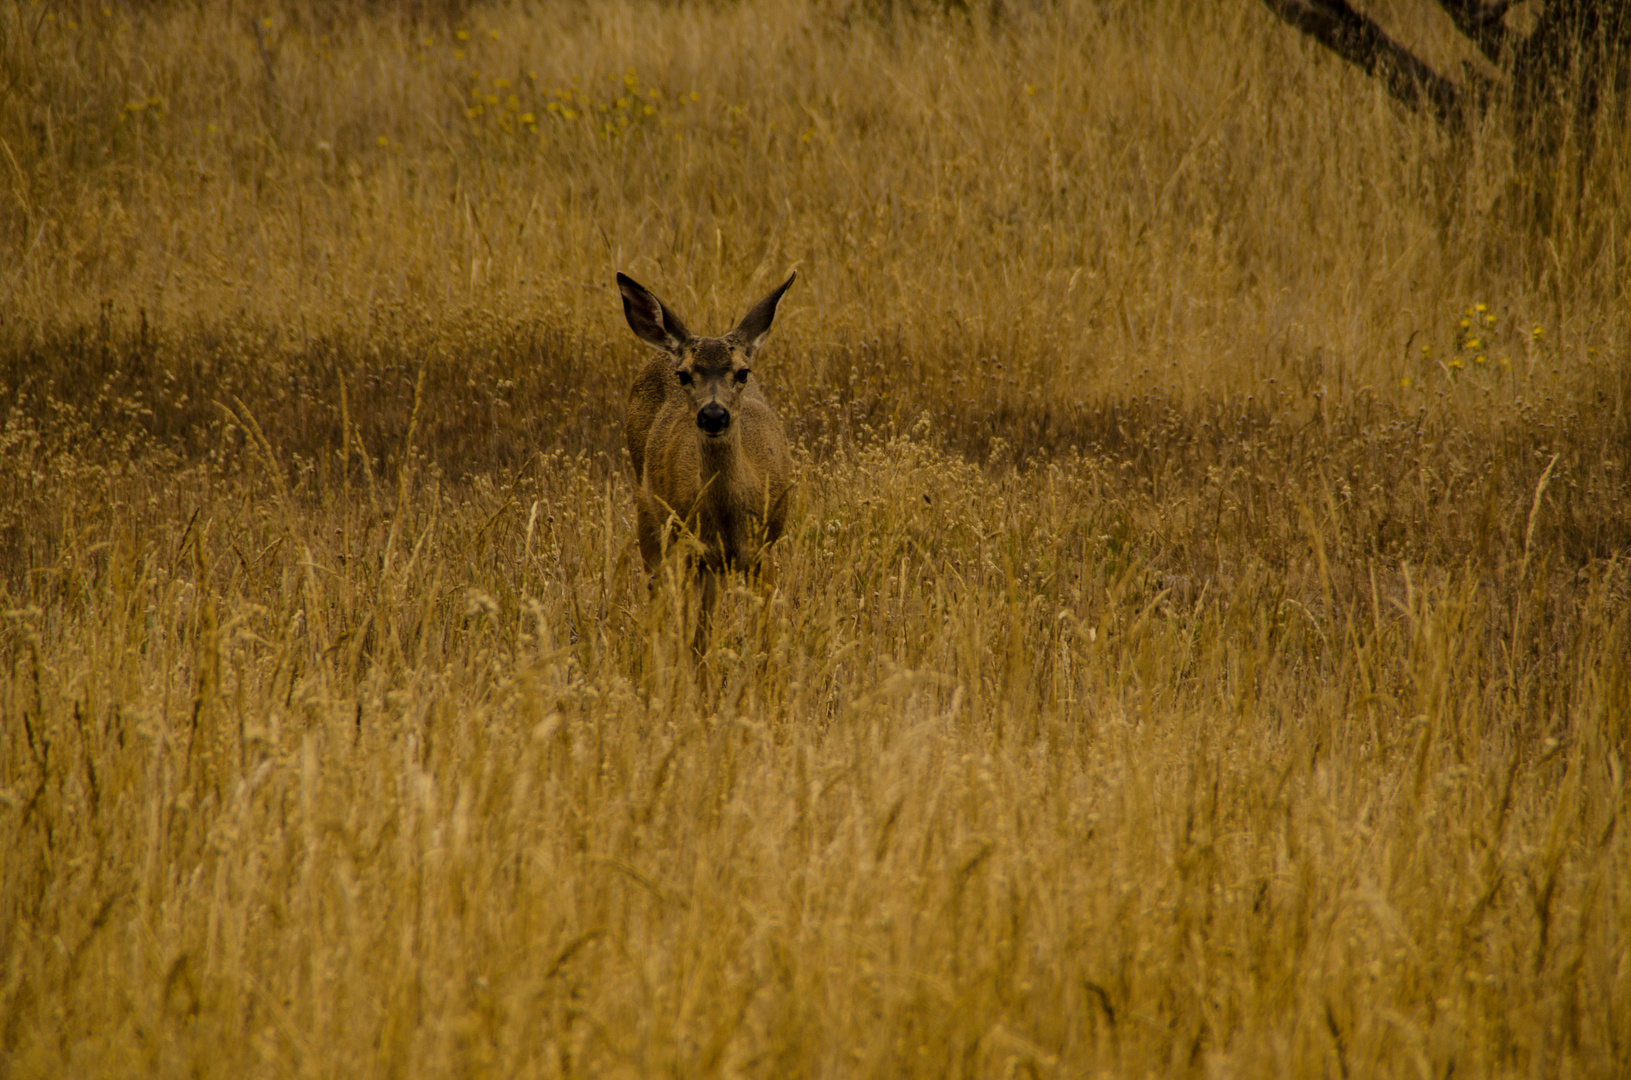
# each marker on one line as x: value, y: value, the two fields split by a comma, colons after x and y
x: 713, y: 372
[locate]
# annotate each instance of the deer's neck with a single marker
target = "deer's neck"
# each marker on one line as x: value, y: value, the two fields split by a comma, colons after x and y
x: 724, y: 515
x: 722, y: 464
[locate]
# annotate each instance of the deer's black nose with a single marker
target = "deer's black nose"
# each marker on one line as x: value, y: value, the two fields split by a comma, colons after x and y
x: 713, y: 418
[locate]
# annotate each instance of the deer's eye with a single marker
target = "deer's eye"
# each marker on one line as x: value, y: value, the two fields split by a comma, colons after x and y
x: 742, y: 375
x: 685, y: 377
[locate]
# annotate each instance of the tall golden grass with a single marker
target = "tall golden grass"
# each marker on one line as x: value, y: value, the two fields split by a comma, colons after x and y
x: 1201, y: 645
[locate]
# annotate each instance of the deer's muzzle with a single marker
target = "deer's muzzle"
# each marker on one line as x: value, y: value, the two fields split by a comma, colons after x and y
x: 713, y: 418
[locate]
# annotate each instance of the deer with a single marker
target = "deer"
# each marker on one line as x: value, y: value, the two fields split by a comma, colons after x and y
x: 710, y: 459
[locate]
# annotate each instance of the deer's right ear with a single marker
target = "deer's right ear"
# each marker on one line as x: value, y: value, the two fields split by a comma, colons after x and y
x: 649, y: 317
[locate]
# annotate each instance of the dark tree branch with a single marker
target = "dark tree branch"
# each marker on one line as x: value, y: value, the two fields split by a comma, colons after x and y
x: 1482, y: 24
x: 1480, y: 87
x: 1578, y: 50
x: 1361, y: 42
x: 1556, y: 79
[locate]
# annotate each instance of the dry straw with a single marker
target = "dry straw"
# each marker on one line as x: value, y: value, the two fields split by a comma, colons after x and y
x: 1199, y: 645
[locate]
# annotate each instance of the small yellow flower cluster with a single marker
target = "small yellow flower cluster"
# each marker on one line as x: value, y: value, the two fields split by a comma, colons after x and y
x: 628, y: 107
x: 152, y: 105
x: 520, y: 105
x: 1475, y: 321
x: 1476, y: 345
x: 503, y: 101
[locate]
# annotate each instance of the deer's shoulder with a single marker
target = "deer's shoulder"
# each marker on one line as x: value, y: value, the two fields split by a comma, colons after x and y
x: 653, y: 384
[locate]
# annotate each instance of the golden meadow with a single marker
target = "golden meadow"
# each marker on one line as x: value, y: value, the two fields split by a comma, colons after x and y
x: 1200, y: 646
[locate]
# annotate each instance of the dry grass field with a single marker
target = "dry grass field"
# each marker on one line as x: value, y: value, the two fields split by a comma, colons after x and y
x: 1201, y: 646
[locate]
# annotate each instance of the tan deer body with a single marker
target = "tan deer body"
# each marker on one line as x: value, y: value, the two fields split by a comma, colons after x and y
x: 710, y: 459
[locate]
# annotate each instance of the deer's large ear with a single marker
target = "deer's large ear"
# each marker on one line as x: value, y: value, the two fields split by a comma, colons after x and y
x: 649, y: 317
x: 756, y: 323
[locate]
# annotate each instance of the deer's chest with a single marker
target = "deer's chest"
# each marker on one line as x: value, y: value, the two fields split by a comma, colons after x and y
x: 725, y: 513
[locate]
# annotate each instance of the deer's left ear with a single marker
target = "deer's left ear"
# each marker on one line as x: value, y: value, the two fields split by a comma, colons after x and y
x: 756, y: 323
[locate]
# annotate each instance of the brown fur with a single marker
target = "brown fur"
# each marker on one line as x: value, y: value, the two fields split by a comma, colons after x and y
x: 727, y: 491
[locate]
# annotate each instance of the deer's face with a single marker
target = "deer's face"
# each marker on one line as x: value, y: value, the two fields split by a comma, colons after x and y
x: 713, y: 373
